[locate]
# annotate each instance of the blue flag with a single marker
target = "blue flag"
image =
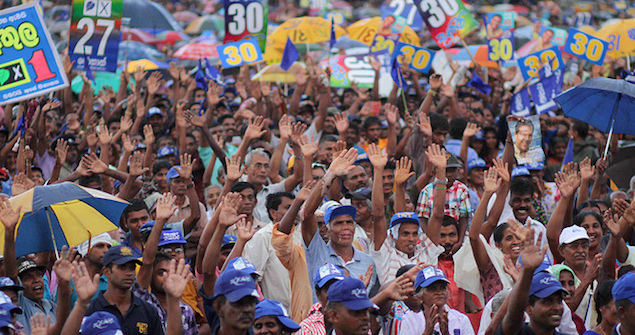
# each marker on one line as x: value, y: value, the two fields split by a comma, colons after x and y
x: 89, y: 73
x: 568, y: 155
x: 520, y: 103
x: 21, y: 126
x: 397, y: 76
x: 199, y: 77
x: 479, y: 84
x: 333, y: 38
x: 212, y: 73
x: 289, y: 55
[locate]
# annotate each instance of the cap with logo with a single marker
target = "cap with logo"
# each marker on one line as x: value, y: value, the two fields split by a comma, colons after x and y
x: 326, y: 273
x: 544, y: 284
x: 404, y: 217
x: 166, y: 151
x: 363, y: 193
x: 153, y: 111
x: 26, y: 264
x: 7, y: 283
x: 335, y: 210
x: 535, y: 166
x: 452, y: 161
x: 6, y: 317
x: 146, y: 228
x: 229, y: 240
x: 173, y: 172
x: 139, y: 146
x: 101, y: 323
x: 235, y: 285
x: 273, y: 308
x: 624, y: 288
x: 6, y: 303
x: 429, y: 275
x: 520, y: 171
x: 351, y: 292
x: 171, y: 237
x: 119, y: 255
x: 572, y: 234
x: 362, y: 158
x: 476, y: 163
x: 242, y: 264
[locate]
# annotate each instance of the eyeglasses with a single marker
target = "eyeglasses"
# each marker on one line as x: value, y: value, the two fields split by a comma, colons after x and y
x: 178, y: 250
x: 576, y: 245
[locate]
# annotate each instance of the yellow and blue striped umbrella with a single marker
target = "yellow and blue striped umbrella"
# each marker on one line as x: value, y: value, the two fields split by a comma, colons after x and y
x: 62, y: 214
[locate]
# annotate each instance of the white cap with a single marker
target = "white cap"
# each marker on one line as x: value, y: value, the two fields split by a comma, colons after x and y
x: 82, y: 248
x: 571, y: 234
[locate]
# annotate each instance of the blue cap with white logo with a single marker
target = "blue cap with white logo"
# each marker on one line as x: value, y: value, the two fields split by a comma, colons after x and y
x: 101, y: 323
x: 173, y: 173
x: 229, y: 240
x: 166, y: 151
x: 171, y: 237
x: 520, y: 171
x: 153, y: 111
x: 6, y: 303
x: 544, y: 284
x: 404, y: 217
x: 8, y: 283
x: 334, y: 211
x: 273, y: 308
x: 326, y: 273
x: 351, y: 292
x: 476, y: 163
x: 242, y: 264
x: 235, y: 285
x: 429, y: 275
x: 624, y: 288
x: 6, y: 317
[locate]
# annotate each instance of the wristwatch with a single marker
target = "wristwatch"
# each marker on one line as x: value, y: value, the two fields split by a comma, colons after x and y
x: 440, y: 181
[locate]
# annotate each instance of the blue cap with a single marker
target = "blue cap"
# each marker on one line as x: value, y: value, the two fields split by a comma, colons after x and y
x: 480, y: 135
x: 535, y: 166
x: 119, y: 254
x: 544, y: 284
x: 273, y: 308
x: 326, y: 273
x: 153, y: 111
x: 100, y: 323
x: 334, y: 211
x: 362, y: 158
x: 363, y: 193
x: 5, y: 317
x: 429, y: 275
x: 8, y: 283
x: 242, y: 264
x: 351, y: 292
x: 229, y: 239
x: 171, y: 237
x: 624, y: 288
x: 230, y: 81
x: 6, y: 303
x: 520, y: 171
x: 235, y: 285
x: 173, y: 173
x: 544, y: 266
x: 384, y: 124
x: 476, y: 162
x: 166, y: 151
x: 403, y: 217
x: 139, y: 146
x: 146, y: 227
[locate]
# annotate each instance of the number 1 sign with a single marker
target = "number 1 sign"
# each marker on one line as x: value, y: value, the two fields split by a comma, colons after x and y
x: 245, y: 19
x: 95, y: 34
x: 29, y: 63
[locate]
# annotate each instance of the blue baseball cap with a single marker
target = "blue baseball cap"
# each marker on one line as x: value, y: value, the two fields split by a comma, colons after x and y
x: 242, y: 264
x: 235, y: 285
x: 333, y: 211
x: 166, y: 151
x: 273, y: 308
x: 362, y: 158
x: 351, y: 292
x: 404, y: 217
x: 429, y: 275
x: 520, y: 171
x: 119, y: 254
x: 173, y: 173
x: 7, y: 283
x: 5, y: 317
x: 146, y: 227
x: 153, y: 111
x: 476, y: 162
x: 480, y: 135
x: 6, y: 303
x: 229, y: 240
x: 171, y: 237
x: 544, y: 266
x: 101, y: 323
x: 326, y: 273
x: 535, y: 166
x: 139, y: 146
x: 624, y: 288
x: 544, y: 284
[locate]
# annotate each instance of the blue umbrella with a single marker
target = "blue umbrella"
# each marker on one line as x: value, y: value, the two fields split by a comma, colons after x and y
x: 606, y: 104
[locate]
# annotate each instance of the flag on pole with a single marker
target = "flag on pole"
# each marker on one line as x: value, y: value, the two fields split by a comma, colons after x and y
x: 289, y: 55
x: 333, y: 38
x: 397, y: 76
x: 199, y: 77
x: 212, y: 73
x: 478, y: 84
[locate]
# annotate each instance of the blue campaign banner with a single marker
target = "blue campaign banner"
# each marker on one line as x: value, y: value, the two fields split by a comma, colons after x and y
x: 406, y: 9
x: 420, y: 58
x: 531, y: 64
x: 520, y: 103
x: 239, y: 53
x: 29, y: 63
x: 585, y: 46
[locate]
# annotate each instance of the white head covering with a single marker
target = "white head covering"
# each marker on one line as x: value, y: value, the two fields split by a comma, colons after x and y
x: 83, y: 249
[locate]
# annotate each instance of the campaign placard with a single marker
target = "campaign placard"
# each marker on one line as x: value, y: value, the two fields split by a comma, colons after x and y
x: 29, y: 63
x: 531, y: 64
x: 420, y: 58
x: 586, y: 46
x: 245, y: 19
x: 448, y: 20
x: 498, y: 23
x: 95, y: 34
x: 239, y: 53
x: 403, y: 8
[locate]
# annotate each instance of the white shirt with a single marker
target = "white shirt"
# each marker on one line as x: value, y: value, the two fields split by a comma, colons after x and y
x: 414, y: 323
x: 260, y: 211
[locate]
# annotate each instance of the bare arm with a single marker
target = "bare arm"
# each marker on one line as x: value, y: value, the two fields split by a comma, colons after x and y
x: 379, y: 220
x: 480, y: 253
x: 437, y: 158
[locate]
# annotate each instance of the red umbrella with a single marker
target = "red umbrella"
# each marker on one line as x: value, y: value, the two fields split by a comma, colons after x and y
x: 196, y: 51
x: 138, y: 35
x: 171, y: 37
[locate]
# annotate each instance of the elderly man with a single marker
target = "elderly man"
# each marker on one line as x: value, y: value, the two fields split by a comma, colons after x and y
x: 348, y: 307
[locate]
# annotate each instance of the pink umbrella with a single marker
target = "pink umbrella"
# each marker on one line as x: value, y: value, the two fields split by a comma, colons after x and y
x: 171, y: 37
x: 196, y: 51
x: 138, y: 35
x: 186, y: 16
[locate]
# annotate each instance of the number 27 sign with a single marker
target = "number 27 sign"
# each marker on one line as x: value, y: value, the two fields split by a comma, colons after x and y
x: 95, y: 34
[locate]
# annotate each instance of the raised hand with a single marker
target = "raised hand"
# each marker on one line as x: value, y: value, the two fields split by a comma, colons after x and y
x: 127, y: 144
x: 40, y: 324
x: 297, y: 130
x: 392, y: 114
x: 234, y: 172
x: 95, y: 165
x: 435, y: 80
x: 533, y: 255
x: 424, y: 125
x: 125, y: 124
x: 343, y: 162
x: 174, y: 71
x: 400, y: 289
x: 470, y: 130
x: 136, y: 164
x: 285, y: 127
x: 601, y: 166
x: 592, y: 271
x: 254, y: 130
x: 148, y: 134
x: 341, y: 123
x: 244, y: 229
x: 586, y: 169
x: 179, y: 275
x: 187, y: 163
x: 374, y: 63
x: 194, y: 119
x: 91, y: 137
x: 105, y: 138
x: 491, y: 180
x: 83, y: 168
x: 154, y: 82
x: 367, y: 276
x: 502, y: 169
x: 8, y: 216
x: 306, y: 190
x: 214, y: 92
x: 629, y: 215
x: 63, y: 267
x: 165, y: 206
x: 229, y: 209
x: 85, y: 286
x: 620, y: 206
x: 309, y: 148
x: 436, y: 156
x: 402, y: 170
x: 447, y: 90
x: 510, y: 268
x: 301, y: 77
x: 21, y: 184
x: 376, y: 157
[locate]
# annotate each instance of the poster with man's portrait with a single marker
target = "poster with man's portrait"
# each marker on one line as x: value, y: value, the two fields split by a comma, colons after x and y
x: 527, y: 140
x: 498, y: 23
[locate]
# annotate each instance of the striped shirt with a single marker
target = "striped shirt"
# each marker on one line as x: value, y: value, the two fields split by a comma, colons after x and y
x: 391, y: 322
x: 313, y: 324
x: 457, y: 201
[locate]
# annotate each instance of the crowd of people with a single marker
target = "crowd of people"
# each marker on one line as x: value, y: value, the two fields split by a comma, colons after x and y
x: 259, y: 210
